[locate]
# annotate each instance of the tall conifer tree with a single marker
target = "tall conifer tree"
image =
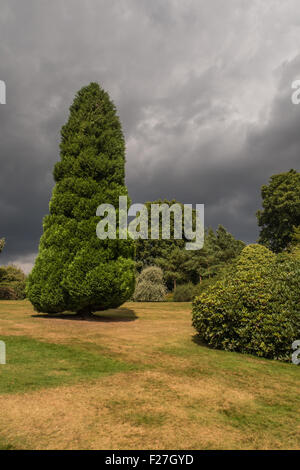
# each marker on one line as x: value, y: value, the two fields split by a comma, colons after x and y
x: 75, y: 270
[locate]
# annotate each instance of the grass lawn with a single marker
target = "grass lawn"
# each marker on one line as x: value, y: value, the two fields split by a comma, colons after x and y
x: 136, y: 378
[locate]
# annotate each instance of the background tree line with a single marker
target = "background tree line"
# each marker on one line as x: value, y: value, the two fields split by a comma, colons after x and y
x: 187, y: 273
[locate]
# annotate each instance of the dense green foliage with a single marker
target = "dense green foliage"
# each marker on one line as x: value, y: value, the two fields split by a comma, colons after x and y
x: 281, y: 210
x: 150, y: 286
x: 182, y: 266
x: 173, y: 266
x: 296, y: 236
x: 148, y: 251
x: 255, y: 308
x: 220, y: 250
x: 184, y: 292
x: 75, y: 270
x: 294, y: 246
x: 12, y: 283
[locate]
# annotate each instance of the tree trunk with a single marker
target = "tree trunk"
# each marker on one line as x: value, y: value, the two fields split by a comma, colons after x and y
x: 174, y: 284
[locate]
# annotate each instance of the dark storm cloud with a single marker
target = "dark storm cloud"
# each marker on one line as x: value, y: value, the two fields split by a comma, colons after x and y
x: 202, y: 88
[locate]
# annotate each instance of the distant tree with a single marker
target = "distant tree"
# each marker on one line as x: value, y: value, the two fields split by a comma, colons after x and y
x: 2, y: 243
x: 150, y: 286
x: 184, y: 292
x: 74, y: 269
x: 281, y: 210
x: 148, y: 251
x: 180, y: 265
x: 223, y: 248
x: 173, y: 266
x: 219, y: 250
x: 12, y: 283
x: 197, y: 264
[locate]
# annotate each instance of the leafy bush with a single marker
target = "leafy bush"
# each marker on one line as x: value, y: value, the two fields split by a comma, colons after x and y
x: 294, y: 248
x: 150, y: 286
x: 255, y: 308
x: 212, y: 280
x: 12, y: 283
x: 169, y: 297
x: 7, y: 293
x: 207, y: 282
x: 184, y: 292
x: 187, y: 292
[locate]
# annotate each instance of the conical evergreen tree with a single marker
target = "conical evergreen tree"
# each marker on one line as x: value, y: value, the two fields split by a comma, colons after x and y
x: 74, y: 269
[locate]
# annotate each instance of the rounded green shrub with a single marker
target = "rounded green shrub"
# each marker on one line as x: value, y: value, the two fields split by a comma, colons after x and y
x: 254, y: 308
x: 12, y: 283
x: 184, y: 292
x: 7, y: 293
x: 75, y: 270
x: 150, y: 286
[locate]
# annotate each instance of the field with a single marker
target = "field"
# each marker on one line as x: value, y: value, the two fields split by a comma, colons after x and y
x: 136, y: 378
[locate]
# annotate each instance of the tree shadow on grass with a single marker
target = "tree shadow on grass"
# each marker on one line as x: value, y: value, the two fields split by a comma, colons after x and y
x: 121, y: 314
x: 197, y: 340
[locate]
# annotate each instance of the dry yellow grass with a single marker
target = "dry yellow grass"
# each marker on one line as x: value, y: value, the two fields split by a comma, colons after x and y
x: 185, y: 396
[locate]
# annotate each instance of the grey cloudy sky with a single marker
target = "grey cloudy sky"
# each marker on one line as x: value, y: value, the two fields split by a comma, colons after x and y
x: 203, y: 89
